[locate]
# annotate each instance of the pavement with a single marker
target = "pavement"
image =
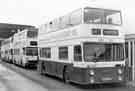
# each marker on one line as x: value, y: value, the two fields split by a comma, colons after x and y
x: 131, y: 83
x: 2, y: 87
x: 13, y: 78
x: 12, y: 81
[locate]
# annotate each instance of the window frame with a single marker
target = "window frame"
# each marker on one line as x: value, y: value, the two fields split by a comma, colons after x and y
x: 97, y: 9
x: 78, y: 53
x: 45, y: 52
x: 60, y: 55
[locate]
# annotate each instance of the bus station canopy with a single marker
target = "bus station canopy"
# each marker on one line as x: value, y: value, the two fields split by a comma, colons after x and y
x: 7, y: 30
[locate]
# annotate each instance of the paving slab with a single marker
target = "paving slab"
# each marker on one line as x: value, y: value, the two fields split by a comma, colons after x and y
x: 12, y: 81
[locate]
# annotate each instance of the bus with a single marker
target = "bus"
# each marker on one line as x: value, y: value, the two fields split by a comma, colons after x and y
x: 85, y: 46
x: 25, y: 50
x: 6, y: 50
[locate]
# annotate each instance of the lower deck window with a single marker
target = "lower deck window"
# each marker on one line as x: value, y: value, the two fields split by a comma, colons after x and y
x: 30, y: 51
x: 16, y: 51
x: 63, y: 53
x: 45, y: 52
x: 77, y: 53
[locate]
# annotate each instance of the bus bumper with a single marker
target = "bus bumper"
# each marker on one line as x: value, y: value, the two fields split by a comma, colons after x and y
x: 106, y: 75
x: 32, y: 63
x: 101, y: 75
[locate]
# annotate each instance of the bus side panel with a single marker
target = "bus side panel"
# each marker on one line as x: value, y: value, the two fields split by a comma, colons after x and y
x: 61, y: 67
x: 55, y: 68
x: 50, y: 67
x: 78, y: 75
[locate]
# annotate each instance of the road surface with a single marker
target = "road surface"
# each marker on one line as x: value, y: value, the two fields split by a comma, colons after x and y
x: 15, y: 78
x: 12, y: 81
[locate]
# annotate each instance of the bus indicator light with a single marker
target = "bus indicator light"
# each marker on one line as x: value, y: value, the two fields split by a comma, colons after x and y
x: 119, y: 78
x: 119, y: 71
x: 92, y: 72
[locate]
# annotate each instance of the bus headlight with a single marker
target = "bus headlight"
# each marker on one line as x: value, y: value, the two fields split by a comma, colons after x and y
x: 92, y: 80
x: 119, y: 71
x: 92, y: 72
x: 119, y: 78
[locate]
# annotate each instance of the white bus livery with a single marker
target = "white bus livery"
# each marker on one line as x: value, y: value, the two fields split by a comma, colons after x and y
x: 85, y: 46
x: 6, y: 49
x: 25, y: 51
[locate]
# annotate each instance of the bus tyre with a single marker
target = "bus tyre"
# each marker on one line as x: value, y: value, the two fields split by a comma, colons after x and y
x: 21, y: 63
x: 25, y: 65
x: 14, y: 62
x: 65, y: 76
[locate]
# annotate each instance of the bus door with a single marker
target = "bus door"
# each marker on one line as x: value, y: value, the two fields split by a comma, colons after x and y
x: 130, y: 57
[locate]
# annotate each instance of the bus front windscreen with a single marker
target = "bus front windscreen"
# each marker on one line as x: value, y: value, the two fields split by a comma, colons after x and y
x: 101, y: 16
x: 103, y: 52
x: 32, y: 51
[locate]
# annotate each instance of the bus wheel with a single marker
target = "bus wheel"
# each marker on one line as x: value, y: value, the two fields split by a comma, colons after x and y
x: 14, y: 62
x: 21, y: 63
x: 65, y: 76
x: 26, y: 66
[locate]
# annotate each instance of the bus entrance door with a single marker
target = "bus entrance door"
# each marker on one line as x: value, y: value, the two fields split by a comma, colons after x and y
x: 130, y: 58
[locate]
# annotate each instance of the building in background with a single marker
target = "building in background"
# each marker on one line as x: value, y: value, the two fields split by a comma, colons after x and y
x: 7, y: 30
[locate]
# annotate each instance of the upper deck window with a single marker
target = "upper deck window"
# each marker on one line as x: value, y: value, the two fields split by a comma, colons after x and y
x: 102, y: 16
x: 76, y: 17
x: 96, y: 31
x: 32, y: 34
x: 31, y: 51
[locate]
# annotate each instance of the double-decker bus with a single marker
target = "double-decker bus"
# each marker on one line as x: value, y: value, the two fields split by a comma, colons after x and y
x: 6, y: 50
x: 25, y: 50
x: 85, y: 46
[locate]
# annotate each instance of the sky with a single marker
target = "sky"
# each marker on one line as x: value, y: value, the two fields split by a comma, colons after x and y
x: 37, y: 12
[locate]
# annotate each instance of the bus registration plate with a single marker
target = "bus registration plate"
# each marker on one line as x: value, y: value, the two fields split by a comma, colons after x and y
x: 106, y: 79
